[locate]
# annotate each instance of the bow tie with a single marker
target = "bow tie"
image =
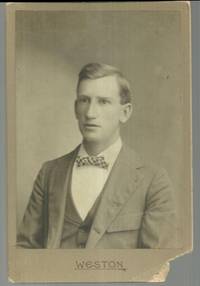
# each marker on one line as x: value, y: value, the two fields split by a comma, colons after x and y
x: 97, y: 161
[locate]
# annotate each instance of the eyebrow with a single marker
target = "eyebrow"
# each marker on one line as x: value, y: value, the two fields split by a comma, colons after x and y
x: 104, y: 97
x: 98, y: 97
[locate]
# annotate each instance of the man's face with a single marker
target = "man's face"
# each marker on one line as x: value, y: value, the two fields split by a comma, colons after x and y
x: 98, y: 110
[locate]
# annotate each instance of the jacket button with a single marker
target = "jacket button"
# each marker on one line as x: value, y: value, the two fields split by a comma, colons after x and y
x: 97, y: 230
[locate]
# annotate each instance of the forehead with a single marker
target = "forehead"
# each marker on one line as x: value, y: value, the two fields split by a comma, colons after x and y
x: 105, y: 86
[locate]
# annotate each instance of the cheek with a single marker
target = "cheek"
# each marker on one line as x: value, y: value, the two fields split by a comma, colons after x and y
x: 113, y: 115
x: 79, y: 112
x: 112, y: 120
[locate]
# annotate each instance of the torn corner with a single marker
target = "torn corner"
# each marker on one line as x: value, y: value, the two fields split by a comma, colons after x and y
x: 164, y: 270
x: 162, y: 274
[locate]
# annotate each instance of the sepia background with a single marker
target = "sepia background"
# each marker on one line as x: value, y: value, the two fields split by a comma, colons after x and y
x: 51, y: 48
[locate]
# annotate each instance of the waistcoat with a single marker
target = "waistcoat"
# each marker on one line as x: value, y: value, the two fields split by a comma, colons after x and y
x: 75, y: 230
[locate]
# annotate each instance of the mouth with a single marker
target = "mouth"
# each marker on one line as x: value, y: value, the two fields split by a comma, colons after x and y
x: 90, y: 125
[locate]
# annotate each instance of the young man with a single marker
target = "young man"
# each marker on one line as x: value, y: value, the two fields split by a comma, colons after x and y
x: 101, y: 195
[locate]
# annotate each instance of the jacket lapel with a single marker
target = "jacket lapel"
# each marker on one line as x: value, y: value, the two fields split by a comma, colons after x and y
x: 122, y: 182
x: 60, y: 180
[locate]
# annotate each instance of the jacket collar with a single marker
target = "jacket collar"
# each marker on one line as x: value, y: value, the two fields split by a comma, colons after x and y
x: 123, y: 181
x: 59, y: 183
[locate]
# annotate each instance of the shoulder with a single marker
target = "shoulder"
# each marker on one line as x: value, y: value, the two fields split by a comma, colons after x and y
x: 156, y: 183
x: 150, y: 170
x: 61, y: 161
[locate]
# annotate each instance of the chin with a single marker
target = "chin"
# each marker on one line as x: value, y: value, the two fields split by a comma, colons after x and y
x: 91, y: 139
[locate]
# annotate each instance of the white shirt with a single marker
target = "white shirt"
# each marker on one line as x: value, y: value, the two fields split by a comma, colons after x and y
x: 88, y: 181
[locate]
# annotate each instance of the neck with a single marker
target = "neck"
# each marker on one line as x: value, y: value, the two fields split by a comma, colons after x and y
x: 94, y: 148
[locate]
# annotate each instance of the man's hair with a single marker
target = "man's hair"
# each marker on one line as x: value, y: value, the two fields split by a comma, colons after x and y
x: 98, y: 70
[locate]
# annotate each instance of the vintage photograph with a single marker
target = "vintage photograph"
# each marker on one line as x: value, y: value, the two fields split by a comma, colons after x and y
x: 101, y: 194
x: 100, y: 111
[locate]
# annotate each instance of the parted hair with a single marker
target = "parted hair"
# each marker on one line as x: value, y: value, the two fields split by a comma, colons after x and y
x: 99, y: 70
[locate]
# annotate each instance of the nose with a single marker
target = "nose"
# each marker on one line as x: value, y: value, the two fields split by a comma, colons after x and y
x: 92, y: 110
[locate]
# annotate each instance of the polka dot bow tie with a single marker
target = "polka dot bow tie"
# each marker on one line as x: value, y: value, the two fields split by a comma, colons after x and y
x: 97, y: 161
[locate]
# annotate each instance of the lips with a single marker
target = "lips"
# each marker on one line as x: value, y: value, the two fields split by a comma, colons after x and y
x: 91, y: 125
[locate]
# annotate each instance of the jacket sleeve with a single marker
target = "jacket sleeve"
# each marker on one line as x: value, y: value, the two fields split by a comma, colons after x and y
x: 33, y: 228
x: 158, y: 228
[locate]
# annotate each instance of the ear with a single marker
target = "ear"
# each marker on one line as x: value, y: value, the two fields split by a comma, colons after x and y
x: 126, y: 111
x: 75, y: 108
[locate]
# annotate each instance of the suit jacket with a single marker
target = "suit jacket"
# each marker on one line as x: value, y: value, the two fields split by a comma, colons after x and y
x: 136, y: 209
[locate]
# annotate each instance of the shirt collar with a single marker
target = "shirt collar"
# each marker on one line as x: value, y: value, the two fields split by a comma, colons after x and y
x: 110, y: 154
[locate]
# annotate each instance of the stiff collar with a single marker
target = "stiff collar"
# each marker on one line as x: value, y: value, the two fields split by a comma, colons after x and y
x: 110, y: 154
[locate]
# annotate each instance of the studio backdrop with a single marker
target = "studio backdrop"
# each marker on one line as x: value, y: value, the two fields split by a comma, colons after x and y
x: 52, y: 47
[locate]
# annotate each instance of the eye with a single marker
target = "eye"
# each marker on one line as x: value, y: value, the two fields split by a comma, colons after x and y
x: 83, y: 100
x: 103, y: 101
